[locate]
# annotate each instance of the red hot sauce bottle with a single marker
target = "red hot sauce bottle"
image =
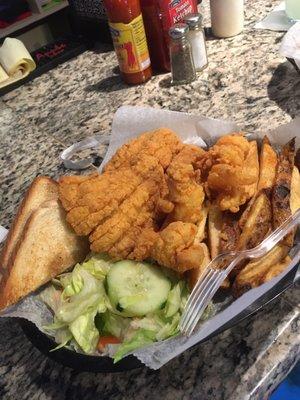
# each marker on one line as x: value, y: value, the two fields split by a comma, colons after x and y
x: 129, y: 38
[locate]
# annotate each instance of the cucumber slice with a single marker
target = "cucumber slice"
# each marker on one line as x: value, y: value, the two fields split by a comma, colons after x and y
x: 137, y: 288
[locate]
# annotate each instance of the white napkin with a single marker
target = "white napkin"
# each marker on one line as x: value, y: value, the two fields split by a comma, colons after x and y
x: 15, y: 61
x: 3, y: 233
x: 290, y: 46
x: 277, y: 20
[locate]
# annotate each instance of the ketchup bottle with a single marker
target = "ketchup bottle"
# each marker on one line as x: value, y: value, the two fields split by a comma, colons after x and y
x: 129, y: 38
x: 159, y: 16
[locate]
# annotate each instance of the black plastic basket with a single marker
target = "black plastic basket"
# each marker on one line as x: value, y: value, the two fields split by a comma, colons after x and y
x: 292, y: 61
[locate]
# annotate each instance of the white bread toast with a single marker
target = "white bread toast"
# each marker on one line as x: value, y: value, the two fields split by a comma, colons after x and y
x: 42, y: 189
x: 48, y: 246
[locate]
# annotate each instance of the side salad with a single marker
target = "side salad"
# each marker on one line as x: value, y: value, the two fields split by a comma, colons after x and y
x: 101, y: 302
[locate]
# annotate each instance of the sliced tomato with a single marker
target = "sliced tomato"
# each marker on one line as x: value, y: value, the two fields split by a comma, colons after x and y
x: 105, y: 340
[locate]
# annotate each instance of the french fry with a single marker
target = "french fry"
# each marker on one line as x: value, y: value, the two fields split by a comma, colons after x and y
x: 276, y: 269
x: 297, y: 158
x: 252, y: 164
x: 193, y: 275
x: 230, y: 233
x: 214, y: 230
x: 253, y: 273
x: 295, y: 190
x: 201, y: 232
x: 282, y: 188
x: 267, y: 165
x: 257, y: 223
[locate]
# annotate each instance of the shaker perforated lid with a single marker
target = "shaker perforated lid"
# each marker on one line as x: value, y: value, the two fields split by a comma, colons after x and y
x: 178, y: 31
x: 193, y: 20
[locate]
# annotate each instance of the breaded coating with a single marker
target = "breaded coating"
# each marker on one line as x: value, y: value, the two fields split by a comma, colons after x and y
x: 123, y: 209
x: 175, y: 247
x: 163, y: 144
x: 115, y: 207
x: 186, y: 193
x: 230, y: 169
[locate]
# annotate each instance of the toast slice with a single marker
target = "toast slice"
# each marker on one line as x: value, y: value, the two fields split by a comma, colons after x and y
x: 42, y: 189
x: 47, y: 247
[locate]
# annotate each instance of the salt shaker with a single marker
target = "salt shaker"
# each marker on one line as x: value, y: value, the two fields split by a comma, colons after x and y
x: 182, y: 64
x: 227, y: 17
x: 197, y: 40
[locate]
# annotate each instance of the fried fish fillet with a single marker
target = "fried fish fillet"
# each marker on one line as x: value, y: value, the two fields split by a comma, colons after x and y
x: 116, y: 207
x: 121, y: 210
x: 163, y: 144
x: 175, y: 247
x: 185, y: 192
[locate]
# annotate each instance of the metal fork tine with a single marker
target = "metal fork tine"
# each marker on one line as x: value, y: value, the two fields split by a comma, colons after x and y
x: 203, y: 304
x: 192, y: 302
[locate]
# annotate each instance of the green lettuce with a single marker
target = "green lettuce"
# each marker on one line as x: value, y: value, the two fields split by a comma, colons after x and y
x: 91, y: 297
x: 98, y: 266
x: 83, y: 311
x: 169, y: 329
x: 72, y: 282
x: 85, y: 332
x: 52, y: 298
x: 62, y: 336
x: 115, y: 324
x: 140, y: 339
x: 174, y: 299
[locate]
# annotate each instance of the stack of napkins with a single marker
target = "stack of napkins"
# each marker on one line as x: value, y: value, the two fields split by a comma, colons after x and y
x: 277, y: 20
x: 15, y: 62
x: 290, y: 46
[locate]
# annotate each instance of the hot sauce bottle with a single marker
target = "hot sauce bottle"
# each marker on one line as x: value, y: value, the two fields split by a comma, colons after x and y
x: 129, y: 38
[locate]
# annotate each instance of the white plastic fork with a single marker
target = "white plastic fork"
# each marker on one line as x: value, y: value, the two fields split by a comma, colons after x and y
x: 213, y: 277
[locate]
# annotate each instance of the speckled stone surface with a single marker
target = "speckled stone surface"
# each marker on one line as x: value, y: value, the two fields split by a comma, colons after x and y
x: 246, y: 81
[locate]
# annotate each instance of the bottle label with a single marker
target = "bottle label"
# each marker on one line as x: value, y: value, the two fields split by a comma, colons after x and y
x: 130, y: 45
x: 174, y: 11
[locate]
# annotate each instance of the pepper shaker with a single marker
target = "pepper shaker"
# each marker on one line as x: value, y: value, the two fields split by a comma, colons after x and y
x: 182, y: 64
x: 197, y: 40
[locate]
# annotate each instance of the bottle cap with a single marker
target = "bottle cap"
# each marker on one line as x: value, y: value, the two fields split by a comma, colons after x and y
x: 193, y: 20
x: 178, y: 31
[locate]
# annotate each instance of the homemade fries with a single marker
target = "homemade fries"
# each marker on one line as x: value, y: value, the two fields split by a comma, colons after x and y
x: 274, y: 198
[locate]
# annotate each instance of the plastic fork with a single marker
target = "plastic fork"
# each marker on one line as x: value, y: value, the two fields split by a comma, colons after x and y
x: 213, y: 276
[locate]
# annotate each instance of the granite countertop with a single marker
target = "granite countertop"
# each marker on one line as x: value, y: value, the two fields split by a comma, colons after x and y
x: 246, y: 81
